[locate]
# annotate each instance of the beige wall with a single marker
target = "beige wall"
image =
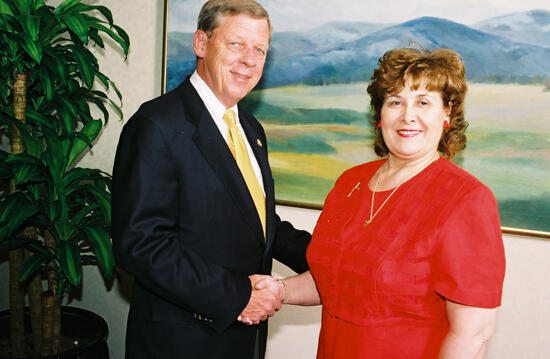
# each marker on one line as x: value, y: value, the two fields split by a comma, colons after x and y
x: 524, y: 319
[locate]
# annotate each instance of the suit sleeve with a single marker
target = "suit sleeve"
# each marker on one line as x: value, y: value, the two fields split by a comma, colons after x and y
x: 290, y: 245
x: 145, y: 214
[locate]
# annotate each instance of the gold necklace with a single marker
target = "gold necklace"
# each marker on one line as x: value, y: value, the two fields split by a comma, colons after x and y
x: 386, y: 165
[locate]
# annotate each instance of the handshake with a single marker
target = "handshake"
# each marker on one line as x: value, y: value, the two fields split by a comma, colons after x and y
x: 268, y: 296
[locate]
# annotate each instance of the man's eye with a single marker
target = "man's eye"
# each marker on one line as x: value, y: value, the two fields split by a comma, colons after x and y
x: 260, y: 52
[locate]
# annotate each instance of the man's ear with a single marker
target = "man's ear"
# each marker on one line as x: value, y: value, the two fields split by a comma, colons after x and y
x: 200, y: 39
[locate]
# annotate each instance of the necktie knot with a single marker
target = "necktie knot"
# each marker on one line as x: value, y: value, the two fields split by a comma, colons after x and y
x: 229, y: 118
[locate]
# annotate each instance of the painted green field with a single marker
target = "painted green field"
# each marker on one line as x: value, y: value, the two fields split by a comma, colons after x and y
x: 315, y: 133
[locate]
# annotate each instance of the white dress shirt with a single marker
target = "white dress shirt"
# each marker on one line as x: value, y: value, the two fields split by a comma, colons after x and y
x: 216, y: 110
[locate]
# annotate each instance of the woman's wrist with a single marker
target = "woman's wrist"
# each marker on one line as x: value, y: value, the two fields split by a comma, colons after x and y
x: 282, y: 284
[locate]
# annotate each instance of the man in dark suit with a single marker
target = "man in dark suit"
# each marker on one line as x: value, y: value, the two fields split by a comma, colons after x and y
x: 192, y: 221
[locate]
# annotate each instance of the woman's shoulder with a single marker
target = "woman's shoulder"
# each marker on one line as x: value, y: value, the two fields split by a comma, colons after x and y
x: 451, y: 175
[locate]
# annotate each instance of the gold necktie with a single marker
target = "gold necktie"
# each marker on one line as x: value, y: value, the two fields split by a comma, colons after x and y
x: 237, y: 146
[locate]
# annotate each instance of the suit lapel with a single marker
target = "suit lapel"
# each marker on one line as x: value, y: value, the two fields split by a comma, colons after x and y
x: 214, y: 149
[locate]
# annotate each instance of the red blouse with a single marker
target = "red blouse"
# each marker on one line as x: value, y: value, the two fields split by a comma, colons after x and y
x: 383, y: 286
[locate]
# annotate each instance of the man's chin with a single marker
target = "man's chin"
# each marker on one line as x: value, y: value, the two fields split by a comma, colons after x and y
x: 239, y: 94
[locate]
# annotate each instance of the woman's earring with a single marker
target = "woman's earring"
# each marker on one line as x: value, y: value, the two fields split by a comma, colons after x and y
x: 379, y: 124
x: 446, y: 124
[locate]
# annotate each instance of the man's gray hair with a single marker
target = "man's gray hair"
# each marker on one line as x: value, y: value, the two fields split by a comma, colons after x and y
x: 213, y: 10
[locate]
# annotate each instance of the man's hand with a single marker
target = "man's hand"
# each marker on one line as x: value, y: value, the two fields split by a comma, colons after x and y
x: 263, y: 302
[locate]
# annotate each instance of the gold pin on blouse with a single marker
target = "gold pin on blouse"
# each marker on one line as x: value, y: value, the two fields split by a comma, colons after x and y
x: 354, y: 188
x: 259, y: 142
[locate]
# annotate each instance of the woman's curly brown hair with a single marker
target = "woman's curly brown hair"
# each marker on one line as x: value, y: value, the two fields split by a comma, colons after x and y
x: 440, y: 70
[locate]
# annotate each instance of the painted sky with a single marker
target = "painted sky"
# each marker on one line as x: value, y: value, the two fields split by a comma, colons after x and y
x: 291, y: 15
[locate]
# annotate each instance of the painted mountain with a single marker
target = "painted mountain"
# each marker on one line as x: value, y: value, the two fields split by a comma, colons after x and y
x: 285, y: 45
x: 506, y: 49
x: 530, y: 27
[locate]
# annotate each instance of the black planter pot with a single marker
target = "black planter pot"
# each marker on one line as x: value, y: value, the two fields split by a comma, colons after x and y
x: 79, y: 323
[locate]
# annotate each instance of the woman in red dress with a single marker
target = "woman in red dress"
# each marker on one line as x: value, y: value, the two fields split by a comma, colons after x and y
x: 407, y: 256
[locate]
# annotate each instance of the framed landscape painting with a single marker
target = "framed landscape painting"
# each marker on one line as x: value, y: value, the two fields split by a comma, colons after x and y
x: 313, y: 104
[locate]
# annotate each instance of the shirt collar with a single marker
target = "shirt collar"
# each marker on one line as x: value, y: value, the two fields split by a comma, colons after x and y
x: 213, y: 105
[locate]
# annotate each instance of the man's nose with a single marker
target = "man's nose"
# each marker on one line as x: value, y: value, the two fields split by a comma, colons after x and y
x: 248, y: 57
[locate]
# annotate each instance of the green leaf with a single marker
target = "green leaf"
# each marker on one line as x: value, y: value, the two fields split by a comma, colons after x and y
x: 103, y: 199
x: 32, y: 48
x: 22, y: 159
x: 5, y: 8
x: 52, y: 208
x: 78, y: 24
x: 90, y: 131
x: 33, y: 143
x: 103, y: 249
x: 83, y: 109
x: 124, y: 36
x: 76, y: 174
x: 68, y: 115
x: 9, y: 25
x: 30, y: 24
x: 23, y: 6
x: 46, y: 83
x: 25, y: 173
x: 33, y: 264
x: 101, y: 106
x: 38, y: 4
x: 55, y: 159
x: 10, y: 204
x: 119, y: 95
x: 94, y: 35
x: 105, y: 12
x: 124, y: 45
x: 69, y: 258
x: 117, y: 109
x: 37, y: 101
x: 86, y: 65
x: 57, y: 65
x: 65, y: 6
x: 104, y: 79
x: 40, y: 119
x: 78, y: 217
x: 17, y: 217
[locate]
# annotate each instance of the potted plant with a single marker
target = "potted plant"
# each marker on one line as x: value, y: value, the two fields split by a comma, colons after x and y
x: 54, y: 216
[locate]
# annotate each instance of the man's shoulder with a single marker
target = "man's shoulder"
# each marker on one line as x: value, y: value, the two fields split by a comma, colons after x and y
x: 166, y: 109
x: 163, y: 104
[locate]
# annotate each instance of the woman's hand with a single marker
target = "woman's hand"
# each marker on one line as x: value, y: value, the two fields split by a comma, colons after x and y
x: 274, y: 285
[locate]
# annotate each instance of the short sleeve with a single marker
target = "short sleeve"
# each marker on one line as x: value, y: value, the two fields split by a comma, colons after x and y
x: 469, y: 261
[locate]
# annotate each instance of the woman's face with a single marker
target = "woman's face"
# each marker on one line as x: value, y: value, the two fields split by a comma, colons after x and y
x: 412, y: 122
